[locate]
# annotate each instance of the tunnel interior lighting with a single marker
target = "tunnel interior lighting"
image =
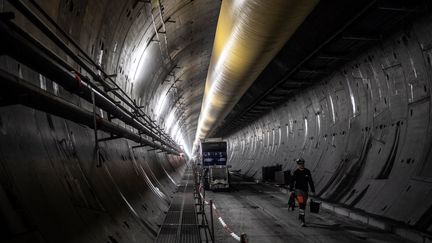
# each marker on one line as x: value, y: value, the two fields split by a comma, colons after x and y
x: 248, y: 35
x: 352, y: 98
x: 140, y: 58
x: 305, y: 131
x: 332, y: 109
x: 170, y: 120
x: 161, y: 104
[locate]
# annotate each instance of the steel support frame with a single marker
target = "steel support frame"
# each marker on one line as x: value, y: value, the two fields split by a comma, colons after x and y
x: 33, y: 18
x: 32, y: 54
x: 39, y: 99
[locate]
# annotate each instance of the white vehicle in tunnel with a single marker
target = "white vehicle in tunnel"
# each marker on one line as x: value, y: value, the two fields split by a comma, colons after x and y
x: 214, y: 169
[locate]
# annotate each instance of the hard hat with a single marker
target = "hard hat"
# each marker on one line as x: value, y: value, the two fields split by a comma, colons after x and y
x: 300, y: 161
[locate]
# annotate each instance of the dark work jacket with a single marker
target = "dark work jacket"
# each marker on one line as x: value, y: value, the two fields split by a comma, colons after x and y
x: 300, y: 180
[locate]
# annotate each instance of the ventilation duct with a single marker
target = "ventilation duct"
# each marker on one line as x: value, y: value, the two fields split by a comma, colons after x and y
x: 248, y: 35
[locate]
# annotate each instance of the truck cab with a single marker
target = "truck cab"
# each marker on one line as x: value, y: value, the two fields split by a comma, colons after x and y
x: 214, y: 165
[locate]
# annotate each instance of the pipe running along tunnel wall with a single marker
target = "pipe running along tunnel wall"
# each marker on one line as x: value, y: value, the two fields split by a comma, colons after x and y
x: 364, y: 131
x: 55, y: 188
x: 54, y: 185
x: 248, y: 35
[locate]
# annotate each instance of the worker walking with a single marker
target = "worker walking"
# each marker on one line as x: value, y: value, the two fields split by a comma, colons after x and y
x: 301, y: 180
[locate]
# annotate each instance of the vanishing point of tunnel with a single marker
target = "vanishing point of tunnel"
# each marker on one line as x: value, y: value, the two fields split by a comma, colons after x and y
x: 133, y: 121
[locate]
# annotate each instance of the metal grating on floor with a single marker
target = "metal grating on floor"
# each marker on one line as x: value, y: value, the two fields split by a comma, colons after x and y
x: 176, y: 204
x: 189, y: 218
x: 189, y: 188
x: 181, y: 188
x: 181, y: 224
x: 168, y: 233
x: 190, y: 233
x: 172, y: 217
x: 189, y: 208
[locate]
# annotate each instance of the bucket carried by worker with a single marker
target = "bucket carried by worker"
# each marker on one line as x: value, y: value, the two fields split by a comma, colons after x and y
x: 314, y: 206
x: 291, y: 201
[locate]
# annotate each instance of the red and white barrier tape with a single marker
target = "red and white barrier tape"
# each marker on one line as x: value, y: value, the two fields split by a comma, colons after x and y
x: 221, y: 221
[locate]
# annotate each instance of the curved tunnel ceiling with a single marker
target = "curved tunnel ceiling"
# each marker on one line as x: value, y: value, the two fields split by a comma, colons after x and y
x: 159, y: 51
x: 171, y: 64
x: 248, y: 35
x: 368, y: 147
x: 346, y: 28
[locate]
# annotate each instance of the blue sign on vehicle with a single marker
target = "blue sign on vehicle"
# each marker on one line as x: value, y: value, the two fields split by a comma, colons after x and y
x: 214, y: 153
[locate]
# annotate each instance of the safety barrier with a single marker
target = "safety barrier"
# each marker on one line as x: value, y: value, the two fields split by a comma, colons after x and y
x: 214, y: 212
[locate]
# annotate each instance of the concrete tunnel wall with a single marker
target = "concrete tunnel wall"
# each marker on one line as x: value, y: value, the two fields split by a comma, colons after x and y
x: 365, y: 131
x: 52, y: 188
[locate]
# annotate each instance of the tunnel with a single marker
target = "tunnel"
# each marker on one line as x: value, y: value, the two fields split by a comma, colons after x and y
x: 105, y: 106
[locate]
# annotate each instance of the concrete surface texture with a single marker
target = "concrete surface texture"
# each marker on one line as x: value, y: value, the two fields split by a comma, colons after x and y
x: 54, y: 191
x: 52, y: 188
x: 261, y: 212
x: 364, y: 131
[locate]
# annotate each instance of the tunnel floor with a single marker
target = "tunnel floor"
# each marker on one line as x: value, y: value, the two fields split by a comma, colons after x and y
x: 261, y: 212
x: 180, y: 224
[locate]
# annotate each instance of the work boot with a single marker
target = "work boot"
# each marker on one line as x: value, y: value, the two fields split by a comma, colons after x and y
x: 289, y: 206
x: 302, y: 220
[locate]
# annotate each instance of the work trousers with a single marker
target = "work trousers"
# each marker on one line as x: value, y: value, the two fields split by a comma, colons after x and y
x: 302, y: 198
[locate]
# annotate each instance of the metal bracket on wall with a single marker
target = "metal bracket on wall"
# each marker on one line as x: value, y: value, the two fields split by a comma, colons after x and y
x: 140, y: 146
x: 112, y: 137
x: 114, y: 75
x: 111, y: 90
x: 111, y: 117
x: 42, y: 59
x: 47, y: 63
x: 95, y: 129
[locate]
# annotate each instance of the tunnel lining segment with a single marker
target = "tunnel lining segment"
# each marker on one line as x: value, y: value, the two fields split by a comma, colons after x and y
x: 131, y: 109
x: 56, y: 70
